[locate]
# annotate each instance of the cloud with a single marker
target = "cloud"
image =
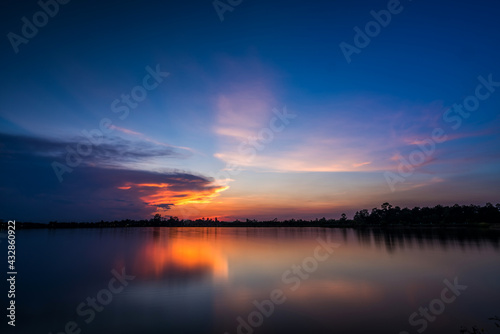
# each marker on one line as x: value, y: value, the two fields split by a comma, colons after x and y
x: 450, y: 136
x: 336, y: 141
x: 127, y: 131
x: 104, y: 187
x: 361, y: 164
x: 145, y: 138
x: 113, y: 151
x: 348, y: 134
x: 164, y: 206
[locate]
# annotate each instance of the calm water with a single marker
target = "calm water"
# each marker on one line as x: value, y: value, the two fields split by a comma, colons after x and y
x: 201, y: 280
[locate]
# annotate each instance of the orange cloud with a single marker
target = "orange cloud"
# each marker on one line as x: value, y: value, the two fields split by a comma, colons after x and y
x: 361, y: 164
x: 164, y: 195
x: 127, y: 131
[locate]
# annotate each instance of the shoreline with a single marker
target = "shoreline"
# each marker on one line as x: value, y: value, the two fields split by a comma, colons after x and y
x: 191, y: 224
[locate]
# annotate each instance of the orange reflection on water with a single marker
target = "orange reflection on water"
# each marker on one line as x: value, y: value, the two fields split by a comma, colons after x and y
x: 168, y: 255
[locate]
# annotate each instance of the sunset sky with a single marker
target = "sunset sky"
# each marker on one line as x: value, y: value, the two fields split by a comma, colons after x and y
x: 259, y: 115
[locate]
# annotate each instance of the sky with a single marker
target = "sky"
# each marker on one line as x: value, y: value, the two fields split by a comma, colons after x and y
x: 246, y: 109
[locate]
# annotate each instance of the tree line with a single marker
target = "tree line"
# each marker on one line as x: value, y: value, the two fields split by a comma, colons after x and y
x: 438, y: 215
x: 385, y: 216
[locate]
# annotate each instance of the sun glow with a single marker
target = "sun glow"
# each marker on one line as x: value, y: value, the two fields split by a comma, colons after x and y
x: 158, y: 194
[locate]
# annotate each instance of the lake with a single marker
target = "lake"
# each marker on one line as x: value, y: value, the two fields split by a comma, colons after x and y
x: 256, y: 280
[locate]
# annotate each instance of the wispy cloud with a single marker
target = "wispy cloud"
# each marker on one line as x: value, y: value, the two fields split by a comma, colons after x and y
x: 112, y: 152
x: 342, y: 140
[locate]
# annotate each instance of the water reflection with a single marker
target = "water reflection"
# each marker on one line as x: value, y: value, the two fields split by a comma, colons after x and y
x: 379, y: 275
x: 180, y: 256
x: 394, y: 239
x: 200, y: 280
x: 186, y: 253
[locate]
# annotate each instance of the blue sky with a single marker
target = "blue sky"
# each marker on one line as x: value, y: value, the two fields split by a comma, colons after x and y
x: 228, y: 81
